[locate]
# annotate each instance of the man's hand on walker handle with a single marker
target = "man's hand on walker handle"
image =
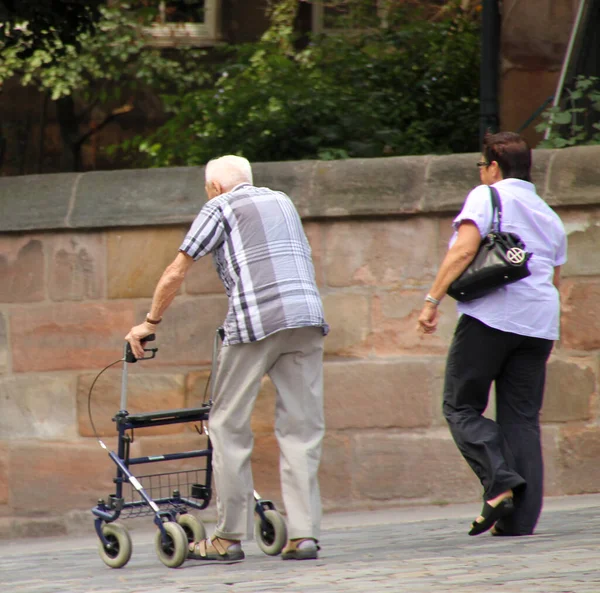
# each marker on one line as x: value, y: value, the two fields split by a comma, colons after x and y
x: 428, y: 318
x: 137, y: 334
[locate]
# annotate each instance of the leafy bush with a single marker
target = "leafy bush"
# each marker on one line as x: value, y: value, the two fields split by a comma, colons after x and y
x: 409, y: 88
x: 578, y: 121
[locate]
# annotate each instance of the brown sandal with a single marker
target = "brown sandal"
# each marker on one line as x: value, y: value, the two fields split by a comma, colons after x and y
x: 216, y: 549
x: 305, y: 548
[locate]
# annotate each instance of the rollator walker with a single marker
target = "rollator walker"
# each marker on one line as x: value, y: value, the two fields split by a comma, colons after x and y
x: 169, y: 496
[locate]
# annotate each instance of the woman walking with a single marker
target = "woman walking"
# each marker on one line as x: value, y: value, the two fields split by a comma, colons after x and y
x: 504, y: 338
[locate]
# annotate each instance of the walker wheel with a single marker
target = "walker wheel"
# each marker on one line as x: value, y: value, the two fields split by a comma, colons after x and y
x: 193, y: 527
x: 118, y: 552
x: 173, y: 552
x: 272, y: 537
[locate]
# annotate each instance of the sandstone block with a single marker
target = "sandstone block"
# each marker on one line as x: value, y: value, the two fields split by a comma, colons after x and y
x: 55, y: 477
x: 550, y: 449
x: 314, y: 233
x: 580, y: 320
x: 582, y: 252
x: 348, y: 187
x: 36, y: 201
x: 394, y: 325
x: 138, y: 257
x: 348, y: 317
x: 573, y: 176
x: 382, y: 394
x: 170, y: 195
x: 187, y: 332
x: 68, y: 336
x: 197, y: 388
x: 203, y: 278
x: 37, y: 407
x: 425, y: 467
x: 21, y: 269
x: 11, y: 528
x: 570, y: 386
x: 444, y: 234
x: 77, y: 267
x: 147, y: 392
x: 449, y: 179
x: 3, y: 345
x: 579, y: 451
x: 382, y: 253
x: 336, y: 471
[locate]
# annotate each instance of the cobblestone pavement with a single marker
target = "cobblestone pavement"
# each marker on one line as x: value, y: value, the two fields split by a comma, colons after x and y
x: 414, y: 550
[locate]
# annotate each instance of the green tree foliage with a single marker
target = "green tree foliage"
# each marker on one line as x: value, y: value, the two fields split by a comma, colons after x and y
x: 403, y: 84
x: 115, y: 54
x: 44, y: 22
x: 410, y: 87
x: 105, y: 72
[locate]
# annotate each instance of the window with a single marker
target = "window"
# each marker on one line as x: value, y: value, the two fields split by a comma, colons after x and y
x: 336, y: 16
x: 184, y: 23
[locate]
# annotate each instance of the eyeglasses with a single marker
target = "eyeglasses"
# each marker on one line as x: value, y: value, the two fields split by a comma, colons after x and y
x: 483, y: 164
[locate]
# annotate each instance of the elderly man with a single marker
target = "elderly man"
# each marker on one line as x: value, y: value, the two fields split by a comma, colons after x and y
x: 274, y: 325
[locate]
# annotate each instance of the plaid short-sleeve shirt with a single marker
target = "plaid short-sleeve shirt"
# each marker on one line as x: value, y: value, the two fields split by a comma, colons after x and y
x: 263, y: 259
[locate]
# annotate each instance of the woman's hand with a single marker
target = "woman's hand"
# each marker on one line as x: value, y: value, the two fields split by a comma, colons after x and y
x: 428, y: 318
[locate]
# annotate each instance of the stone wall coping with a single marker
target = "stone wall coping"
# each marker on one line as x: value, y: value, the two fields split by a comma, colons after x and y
x: 398, y: 186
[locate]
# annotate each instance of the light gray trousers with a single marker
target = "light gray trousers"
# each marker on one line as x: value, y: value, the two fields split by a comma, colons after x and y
x: 293, y: 359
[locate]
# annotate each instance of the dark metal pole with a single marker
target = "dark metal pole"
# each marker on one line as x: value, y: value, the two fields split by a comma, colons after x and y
x: 489, y: 118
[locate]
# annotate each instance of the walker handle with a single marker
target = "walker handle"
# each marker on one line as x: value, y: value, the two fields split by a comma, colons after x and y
x: 130, y: 357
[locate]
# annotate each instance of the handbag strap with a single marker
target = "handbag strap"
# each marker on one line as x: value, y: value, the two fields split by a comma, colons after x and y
x: 496, y: 210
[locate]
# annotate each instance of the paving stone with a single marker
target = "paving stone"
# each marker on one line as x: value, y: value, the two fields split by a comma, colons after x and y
x: 410, y: 549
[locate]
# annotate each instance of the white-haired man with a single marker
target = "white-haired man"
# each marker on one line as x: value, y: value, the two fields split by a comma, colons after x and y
x: 275, y: 325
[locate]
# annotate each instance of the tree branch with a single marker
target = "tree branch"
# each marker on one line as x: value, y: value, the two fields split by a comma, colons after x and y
x: 110, y: 117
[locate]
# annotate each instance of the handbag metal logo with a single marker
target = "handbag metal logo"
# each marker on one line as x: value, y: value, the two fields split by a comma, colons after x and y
x: 515, y: 255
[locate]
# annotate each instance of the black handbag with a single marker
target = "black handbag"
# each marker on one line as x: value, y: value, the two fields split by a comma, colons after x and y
x: 500, y: 260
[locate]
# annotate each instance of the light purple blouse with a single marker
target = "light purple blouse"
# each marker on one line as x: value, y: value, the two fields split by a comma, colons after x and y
x: 529, y: 307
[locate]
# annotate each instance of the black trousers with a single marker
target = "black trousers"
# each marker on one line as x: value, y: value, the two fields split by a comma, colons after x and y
x: 507, y: 453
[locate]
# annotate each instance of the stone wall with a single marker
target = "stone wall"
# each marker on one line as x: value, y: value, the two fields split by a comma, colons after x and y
x: 80, y: 255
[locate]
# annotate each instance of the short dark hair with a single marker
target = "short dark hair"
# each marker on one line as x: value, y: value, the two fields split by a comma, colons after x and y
x: 511, y: 152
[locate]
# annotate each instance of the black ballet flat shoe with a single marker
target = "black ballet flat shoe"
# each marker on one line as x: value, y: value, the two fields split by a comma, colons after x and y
x: 491, y: 514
